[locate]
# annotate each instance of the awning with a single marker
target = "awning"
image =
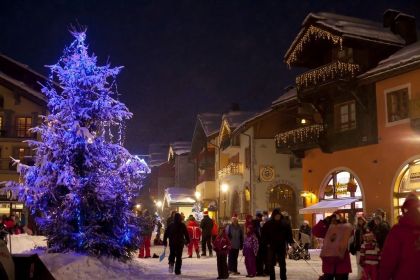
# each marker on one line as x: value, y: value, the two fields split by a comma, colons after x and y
x: 329, y: 205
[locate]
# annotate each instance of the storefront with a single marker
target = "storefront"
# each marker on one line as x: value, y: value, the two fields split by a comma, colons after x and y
x: 407, y: 181
x: 341, y: 192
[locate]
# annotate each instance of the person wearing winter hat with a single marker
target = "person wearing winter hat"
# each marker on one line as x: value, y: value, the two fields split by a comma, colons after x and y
x: 194, y: 233
x: 206, y: 226
x: 236, y: 237
x: 276, y: 233
x: 401, y: 252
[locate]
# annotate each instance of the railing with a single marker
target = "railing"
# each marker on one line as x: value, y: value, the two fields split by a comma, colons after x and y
x: 306, y: 135
x: 327, y: 73
x: 231, y: 169
x: 16, y: 132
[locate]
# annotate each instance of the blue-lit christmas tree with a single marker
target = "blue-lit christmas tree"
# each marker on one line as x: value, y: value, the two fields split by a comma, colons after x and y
x: 83, y: 182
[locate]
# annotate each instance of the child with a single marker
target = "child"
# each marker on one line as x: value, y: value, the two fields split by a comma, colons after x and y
x: 250, y: 252
x: 194, y: 232
x: 369, y: 257
x: 222, y: 246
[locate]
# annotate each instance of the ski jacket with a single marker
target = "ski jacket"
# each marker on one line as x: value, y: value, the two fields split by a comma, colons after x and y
x: 176, y: 232
x: 401, y: 252
x: 222, y: 244
x: 194, y: 230
x: 251, y: 244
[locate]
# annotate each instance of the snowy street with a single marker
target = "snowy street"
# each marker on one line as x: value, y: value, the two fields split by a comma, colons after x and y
x: 203, y: 268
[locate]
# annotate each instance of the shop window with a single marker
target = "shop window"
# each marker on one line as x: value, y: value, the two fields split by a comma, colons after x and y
x: 345, y: 116
x: 23, y: 124
x: 247, y: 201
x: 408, y: 181
x: 397, y: 105
x: 342, y: 184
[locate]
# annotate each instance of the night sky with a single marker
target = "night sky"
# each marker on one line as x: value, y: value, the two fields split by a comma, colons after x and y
x: 181, y: 57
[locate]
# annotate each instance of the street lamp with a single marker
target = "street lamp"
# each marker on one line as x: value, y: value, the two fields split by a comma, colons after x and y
x: 158, y: 204
x: 225, y: 188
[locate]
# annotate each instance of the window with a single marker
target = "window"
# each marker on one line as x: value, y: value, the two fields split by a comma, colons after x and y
x: 345, y: 116
x: 397, y: 105
x: 247, y: 157
x: 23, y: 124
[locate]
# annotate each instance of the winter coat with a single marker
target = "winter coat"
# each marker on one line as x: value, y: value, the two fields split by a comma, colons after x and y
x: 222, y: 244
x: 369, y: 251
x: 194, y: 230
x: 251, y: 244
x: 147, y: 225
x: 176, y: 232
x: 400, y: 258
x: 236, y: 236
x: 256, y: 226
x: 207, y: 226
x: 334, y: 253
x: 305, y: 234
x: 215, y: 229
x: 277, y: 233
x: 380, y: 231
x: 358, y: 237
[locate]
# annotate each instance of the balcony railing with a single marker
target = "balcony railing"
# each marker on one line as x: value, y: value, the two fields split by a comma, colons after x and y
x: 299, y: 138
x: 231, y: 169
x: 327, y: 73
x: 16, y: 132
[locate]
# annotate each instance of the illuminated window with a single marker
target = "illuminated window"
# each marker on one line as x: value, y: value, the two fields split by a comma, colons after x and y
x: 397, y: 105
x: 281, y: 196
x: 23, y: 125
x: 345, y: 116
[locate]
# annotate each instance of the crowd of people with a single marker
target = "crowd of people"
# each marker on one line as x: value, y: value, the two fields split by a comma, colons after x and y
x: 381, y: 252
x: 263, y: 242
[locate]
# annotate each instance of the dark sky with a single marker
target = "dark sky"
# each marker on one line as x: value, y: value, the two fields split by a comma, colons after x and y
x: 180, y: 57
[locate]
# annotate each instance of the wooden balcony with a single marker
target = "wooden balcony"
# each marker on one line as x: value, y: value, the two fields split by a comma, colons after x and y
x: 231, y: 169
x: 301, y: 138
x: 327, y: 73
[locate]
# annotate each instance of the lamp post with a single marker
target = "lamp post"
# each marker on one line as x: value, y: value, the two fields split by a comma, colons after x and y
x: 224, y: 187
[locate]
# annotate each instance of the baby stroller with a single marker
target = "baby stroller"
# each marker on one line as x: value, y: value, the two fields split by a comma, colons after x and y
x: 298, y: 252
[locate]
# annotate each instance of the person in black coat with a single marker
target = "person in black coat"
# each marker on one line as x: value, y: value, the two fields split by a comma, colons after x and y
x: 276, y: 233
x: 178, y: 237
x: 206, y: 226
x: 256, y: 225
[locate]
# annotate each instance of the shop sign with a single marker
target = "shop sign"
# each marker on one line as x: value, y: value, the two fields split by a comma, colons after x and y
x: 414, y: 175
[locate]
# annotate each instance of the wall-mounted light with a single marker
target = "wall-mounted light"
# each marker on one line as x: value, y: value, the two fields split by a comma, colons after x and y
x: 224, y: 187
x: 198, y: 195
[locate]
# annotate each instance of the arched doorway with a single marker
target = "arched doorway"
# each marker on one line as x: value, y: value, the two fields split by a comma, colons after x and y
x: 282, y: 196
x: 341, y: 184
x: 408, y: 181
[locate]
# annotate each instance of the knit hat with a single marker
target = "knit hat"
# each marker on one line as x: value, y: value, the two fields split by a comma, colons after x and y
x: 411, y: 203
x: 205, y: 213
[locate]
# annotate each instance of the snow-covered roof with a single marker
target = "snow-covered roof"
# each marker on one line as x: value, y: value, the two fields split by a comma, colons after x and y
x: 210, y: 123
x: 288, y: 95
x: 349, y: 27
x: 407, y: 56
x: 254, y: 117
x: 23, y: 86
x: 158, y: 154
x: 179, y: 148
x: 235, y: 118
x: 177, y: 195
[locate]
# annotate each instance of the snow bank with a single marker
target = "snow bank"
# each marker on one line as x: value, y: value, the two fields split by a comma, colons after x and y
x: 78, y: 266
x: 22, y: 242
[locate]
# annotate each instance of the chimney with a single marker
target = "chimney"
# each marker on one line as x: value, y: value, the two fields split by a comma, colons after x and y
x: 401, y: 24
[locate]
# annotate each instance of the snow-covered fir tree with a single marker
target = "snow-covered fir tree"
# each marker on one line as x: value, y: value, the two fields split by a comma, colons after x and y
x: 83, y: 181
x: 197, y: 211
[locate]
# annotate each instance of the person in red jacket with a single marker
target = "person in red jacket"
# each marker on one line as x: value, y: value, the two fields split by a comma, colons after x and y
x: 400, y: 258
x: 222, y: 247
x: 194, y: 232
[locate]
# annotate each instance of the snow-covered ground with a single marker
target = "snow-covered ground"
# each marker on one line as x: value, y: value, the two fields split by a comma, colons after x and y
x: 73, y: 266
